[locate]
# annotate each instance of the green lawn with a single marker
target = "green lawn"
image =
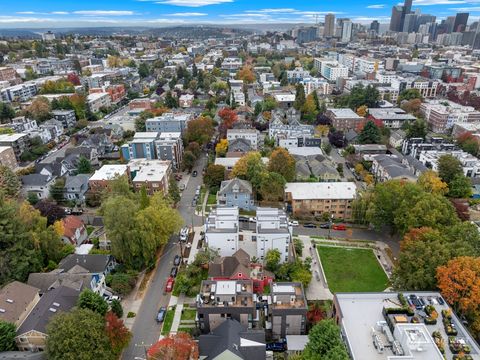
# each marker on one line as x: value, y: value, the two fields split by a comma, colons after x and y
x: 352, y: 270
x: 188, y: 314
x: 167, y: 323
x: 212, y: 199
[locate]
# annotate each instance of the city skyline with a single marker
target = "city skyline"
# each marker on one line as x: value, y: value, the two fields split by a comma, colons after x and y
x: 50, y: 13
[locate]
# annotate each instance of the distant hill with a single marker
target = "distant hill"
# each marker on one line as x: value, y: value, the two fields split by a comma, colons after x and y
x: 198, y: 32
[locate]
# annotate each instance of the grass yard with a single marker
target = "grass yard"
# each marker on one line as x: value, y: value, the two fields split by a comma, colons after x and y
x: 212, y: 199
x: 167, y: 323
x: 352, y: 270
x: 188, y: 314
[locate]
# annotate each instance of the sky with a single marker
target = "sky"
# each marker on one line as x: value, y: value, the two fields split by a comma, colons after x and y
x: 89, y: 13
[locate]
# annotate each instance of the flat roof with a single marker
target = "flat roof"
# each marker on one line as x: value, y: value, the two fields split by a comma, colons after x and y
x: 345, y: 113
x: 226, y: 288
x: 325, y: 190
x: 109, y: 172
x: 361, y: 316
x: 11, y: 137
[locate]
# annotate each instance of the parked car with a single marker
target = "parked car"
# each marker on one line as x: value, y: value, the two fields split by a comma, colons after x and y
x: 340, y: 227
x: 277, y: 346
x: 194, y: 173
x: 161, y: 314
x: 177, y: 260
x: 309, y: 225
x: 324, y: 226
x: 294, y: 223
x: 252, y: 219
x: 243, y: 218
x: 182, y: 187
x: 184, y: 234
x: 173, y: 272
x: 194, y: 203
x: 169, y: 284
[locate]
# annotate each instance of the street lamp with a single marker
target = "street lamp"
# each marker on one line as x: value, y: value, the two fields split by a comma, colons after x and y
x: 330, y: 223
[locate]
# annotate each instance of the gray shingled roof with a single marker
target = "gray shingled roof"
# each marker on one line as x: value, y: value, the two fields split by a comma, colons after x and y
x: 93, y: 263
x: 227, y: 185
x: 52, y: 302
x: 35, y: 180
x: 227, y: 338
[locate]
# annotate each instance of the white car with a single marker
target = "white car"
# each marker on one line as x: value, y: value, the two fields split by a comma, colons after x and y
x: 184, y: 234
x: 293, y: 223
x: 252, y: 219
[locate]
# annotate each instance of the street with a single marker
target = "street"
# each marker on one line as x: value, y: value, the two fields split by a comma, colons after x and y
x: 146, y: 330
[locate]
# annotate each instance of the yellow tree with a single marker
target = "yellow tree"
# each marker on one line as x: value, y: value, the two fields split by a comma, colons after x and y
x: 246, y: 74
x: 322, y: 130
x: 459, y: 283
x: 221, y: 148
x: 362, y: 110
x: 431, y: 182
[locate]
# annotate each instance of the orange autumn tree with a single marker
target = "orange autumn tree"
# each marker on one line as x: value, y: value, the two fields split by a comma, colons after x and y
x: 228, y: 116
x: 246, y: 74
x: 459, y: 283
x: 174, y: 347
x: 117, y: 333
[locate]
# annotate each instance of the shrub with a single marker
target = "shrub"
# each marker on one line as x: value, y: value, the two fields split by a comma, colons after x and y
x: 131, y: 314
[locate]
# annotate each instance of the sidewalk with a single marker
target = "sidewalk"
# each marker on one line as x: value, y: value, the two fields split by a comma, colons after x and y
x: 131, y: 304
x: 317, y: 289
x: 178, y: 314
x: 196, y: 239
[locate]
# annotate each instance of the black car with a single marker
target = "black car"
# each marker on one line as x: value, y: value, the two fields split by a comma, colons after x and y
x: 309, y: 225
x: 161, y: 314
x: 324, y: 226
x: 176, y: 260
x: 440, y: 301
x: 173, y: 272
x: 194, y: 202
x: 277, y: 346
x: 194, y: 173
x: 243, y: 218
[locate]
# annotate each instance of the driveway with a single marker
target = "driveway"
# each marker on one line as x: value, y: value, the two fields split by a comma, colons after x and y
x: 145, y: 330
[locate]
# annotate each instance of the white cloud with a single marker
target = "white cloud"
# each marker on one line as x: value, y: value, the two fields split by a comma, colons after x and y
x: 467, y: 9
x: 376, y: 6
x: 441, y: 2
x: 25, y: 12
x: 188, y: 14
x: 193, y: 3
x: 59, y: 13
x: 165, y: 21
x: 104, y: 12
x: 20, y: 19
x: 276, y: 10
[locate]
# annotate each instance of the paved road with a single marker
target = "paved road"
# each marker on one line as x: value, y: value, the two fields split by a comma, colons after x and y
x: 145, y: 330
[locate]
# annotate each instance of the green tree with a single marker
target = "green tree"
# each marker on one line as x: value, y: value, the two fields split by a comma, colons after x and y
x: 7, y: 113
x: 409, y: 94
x: 117, y: 308
x: 416, y: 129
x: 78, y: 335
x: 423, y: 250
x: 449, y: 167
x: 214, y: 175
x: 143, y: 70
x: 282, y: 163
x: 170, y: 101
x: 7, y: 336
x: 460, y: 187
x: 57, y: 190
x: 258, y: 108
x: 299, y: 97
x: 250, y: 167
x: 272, y: 259
x: 370, y: 134
x: 324, y: 342
x: 272, y: 186
x: 173, y: 191
x: 135, y: 233
x: 199, y: 130
x: 9, y: 182
x: 32, y: 198
x: 188, y: 160
x: 92, y: 301
x: 84, y: 166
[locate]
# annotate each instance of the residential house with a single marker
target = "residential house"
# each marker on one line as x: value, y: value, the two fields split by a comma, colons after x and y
x: 98, y: 264
x: 96, y: 101
x: 72, y: 155
x: 74, y: 230
x: 396, y: 138
x: 390, y: 167
x: 101, y: 178
x: 470, y: 164
x: 240, y: 267
x: 251, y: 135
x: 169, y: 122
x: 142, y: 146
x: 344, y: 119
x: 66, y: 117
x: 18, y: 142
x: 229, y: 162
x: 186, y: 100
x: 7, y: 157
x: 53, y: 169
x: 77, y: 278
x: 154, y: 175
x: 236, y: 192
x: 287, y: 313
x: 314, y: 199
x: 272, y: 231
x: 238, y: 147
x: 225, y: 299
x: 98, y: 141
x: 37, y: 184
x: 32, y: 335
x: 16, y: 301
x: 76, y: 187
x: 392, y: 118
x: 232, y: 340
x: 284, y: 100
x: 222, y: 230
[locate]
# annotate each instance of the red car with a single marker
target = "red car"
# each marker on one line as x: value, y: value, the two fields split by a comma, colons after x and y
x: 169, y: 285
x: 339, y: 227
